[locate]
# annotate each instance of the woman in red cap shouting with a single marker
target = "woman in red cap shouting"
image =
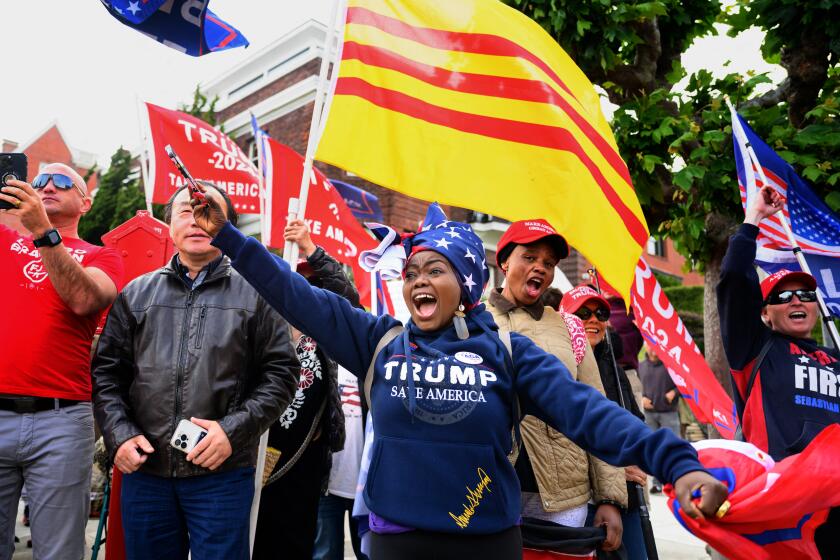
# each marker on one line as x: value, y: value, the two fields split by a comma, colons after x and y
x: 558, y: 478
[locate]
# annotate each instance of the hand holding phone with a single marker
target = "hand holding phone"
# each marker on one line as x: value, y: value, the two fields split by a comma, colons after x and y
x: 195, y: 190
x: 187, y: 435
x: 12, y: 166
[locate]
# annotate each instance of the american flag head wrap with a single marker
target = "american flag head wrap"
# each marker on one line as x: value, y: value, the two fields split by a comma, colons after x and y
x: 454, y: 240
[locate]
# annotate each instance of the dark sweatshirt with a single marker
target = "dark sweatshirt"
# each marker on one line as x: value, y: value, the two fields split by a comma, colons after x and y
x: 795, y: 392
x: 443, y: 431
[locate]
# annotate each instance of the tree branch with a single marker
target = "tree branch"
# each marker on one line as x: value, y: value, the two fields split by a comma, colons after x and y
x: 769, y: 99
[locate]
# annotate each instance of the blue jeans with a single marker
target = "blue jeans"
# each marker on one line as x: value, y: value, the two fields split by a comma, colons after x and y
x: 632, y: 538
x: 167, y: 518
x: 329, y: 540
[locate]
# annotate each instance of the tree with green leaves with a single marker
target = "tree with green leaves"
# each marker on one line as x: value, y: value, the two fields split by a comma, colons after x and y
x: 677, y: 142
x: 118, y: 197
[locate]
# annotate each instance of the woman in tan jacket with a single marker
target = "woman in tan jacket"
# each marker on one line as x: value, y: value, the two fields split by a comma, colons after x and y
x: 558, y: 478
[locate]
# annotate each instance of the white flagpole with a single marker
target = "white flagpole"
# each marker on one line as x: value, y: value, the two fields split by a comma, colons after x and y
x: 297, y: 208
x: 797, y: 250
x: 290, y: 250
x: 374, y: 294
x: 148, y: 189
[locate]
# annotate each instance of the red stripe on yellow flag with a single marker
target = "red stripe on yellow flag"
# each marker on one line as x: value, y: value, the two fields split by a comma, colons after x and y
x: 472, y: 104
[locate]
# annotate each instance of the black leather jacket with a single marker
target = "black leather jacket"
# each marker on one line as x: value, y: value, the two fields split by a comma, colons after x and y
x: 168, y: 352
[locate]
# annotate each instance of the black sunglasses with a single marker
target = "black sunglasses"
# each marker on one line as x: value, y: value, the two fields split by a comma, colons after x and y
x: 785, y: 296
x: 59, y: 180
x: 602, y: 313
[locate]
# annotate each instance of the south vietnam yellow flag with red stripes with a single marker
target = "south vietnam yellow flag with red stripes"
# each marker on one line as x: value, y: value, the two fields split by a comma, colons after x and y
x: 471, y: 103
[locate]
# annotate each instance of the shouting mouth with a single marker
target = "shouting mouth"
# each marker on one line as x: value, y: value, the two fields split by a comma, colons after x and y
x: 425, y: 304
x: 533, y: 287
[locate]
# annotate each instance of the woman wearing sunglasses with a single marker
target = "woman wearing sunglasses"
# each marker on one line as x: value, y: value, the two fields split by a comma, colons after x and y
x: 446, y: 392
x: 786, y: 386
x: 594, y: 311
x: 557, y: 477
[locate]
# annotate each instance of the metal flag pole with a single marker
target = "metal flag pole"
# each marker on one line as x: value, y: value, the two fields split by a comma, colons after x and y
x: 828, y: 322
x: 644, y: 513
x: 290, y: 250
x: 297, y: 209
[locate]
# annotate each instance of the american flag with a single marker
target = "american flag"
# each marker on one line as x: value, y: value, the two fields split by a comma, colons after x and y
x: 815, y: 227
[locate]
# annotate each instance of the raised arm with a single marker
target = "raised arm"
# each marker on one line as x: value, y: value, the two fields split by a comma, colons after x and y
x: 739, y: 290
x: 599, y: 426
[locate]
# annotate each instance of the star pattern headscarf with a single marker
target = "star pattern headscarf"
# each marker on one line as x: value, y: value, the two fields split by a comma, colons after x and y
x: 454, y: 240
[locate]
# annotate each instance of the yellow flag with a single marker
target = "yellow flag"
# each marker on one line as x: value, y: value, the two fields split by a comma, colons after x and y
x: 471, y: 103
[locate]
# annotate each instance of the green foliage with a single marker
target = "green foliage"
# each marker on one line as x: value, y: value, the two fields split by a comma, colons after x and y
x: 202, y: 108
x: 666, y: 280
x: 118, y: 197
x: 678, y: 145
x: 686, y: 298
x: 787, y: 23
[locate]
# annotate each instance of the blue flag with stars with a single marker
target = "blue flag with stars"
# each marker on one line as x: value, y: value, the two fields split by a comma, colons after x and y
x: 184, y: 25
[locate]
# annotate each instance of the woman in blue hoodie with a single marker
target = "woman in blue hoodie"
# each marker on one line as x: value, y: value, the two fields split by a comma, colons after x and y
x: 447, y: 393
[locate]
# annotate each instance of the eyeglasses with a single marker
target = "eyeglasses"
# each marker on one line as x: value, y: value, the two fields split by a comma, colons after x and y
x: 786, y: 296
x: 59, y: 180
x: 602, y: 313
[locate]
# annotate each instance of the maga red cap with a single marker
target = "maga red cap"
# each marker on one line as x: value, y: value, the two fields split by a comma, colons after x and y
x: 524, y: 232
x: 576, y: 297
x: 769, y: 283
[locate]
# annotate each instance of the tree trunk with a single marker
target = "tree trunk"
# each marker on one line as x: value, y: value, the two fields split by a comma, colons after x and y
x: 715, y: 356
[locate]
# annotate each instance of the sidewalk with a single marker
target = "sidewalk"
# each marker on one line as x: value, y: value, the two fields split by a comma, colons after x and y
x: 672, y: 541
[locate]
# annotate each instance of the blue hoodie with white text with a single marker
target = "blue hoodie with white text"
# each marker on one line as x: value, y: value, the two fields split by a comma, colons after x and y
x: 443, y: 434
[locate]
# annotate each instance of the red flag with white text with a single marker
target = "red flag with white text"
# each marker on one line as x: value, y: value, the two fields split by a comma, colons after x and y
x: 208, y: 155
x: 659, y: 323
x: 332, y: 225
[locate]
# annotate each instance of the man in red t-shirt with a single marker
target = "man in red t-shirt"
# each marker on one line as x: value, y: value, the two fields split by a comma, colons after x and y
x: 53, y: 288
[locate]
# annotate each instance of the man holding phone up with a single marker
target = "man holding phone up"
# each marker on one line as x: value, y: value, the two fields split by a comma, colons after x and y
x: 191, y: 341
x: 53, y: 289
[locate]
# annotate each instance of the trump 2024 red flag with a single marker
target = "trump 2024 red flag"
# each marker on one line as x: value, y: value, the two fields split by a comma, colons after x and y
x: 207, y: 153
x: 332, y: 225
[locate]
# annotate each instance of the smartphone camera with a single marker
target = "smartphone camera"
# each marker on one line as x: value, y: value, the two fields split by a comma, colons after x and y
x: 12, y: 166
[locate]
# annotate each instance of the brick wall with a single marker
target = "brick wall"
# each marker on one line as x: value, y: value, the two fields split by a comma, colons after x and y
x: 50, y: 148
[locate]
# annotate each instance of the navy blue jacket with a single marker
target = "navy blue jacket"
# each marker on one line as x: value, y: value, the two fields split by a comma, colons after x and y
x: 443, y: 435
x: 795, y: 392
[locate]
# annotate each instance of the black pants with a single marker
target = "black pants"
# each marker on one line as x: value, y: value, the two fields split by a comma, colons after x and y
x: 428, y: 545
x: 289, y: 508
x: 827, y: 536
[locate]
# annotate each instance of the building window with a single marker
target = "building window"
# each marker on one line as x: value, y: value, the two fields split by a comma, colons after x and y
x: 656, y: 247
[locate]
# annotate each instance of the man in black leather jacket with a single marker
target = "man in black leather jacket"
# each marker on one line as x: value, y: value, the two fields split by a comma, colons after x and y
x: 193, y: 341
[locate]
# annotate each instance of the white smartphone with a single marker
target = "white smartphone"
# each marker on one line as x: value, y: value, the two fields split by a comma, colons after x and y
x: 187, y: 435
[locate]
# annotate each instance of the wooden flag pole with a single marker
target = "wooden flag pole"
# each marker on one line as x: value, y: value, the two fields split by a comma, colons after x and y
x: 290, y: 250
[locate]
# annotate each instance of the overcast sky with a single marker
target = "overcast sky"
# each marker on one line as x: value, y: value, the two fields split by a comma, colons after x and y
x: 72, y: 62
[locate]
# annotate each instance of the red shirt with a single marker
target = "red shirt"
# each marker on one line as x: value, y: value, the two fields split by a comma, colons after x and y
x: 45, y: 349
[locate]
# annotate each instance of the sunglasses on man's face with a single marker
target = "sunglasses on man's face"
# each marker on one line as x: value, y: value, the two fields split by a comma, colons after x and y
x: 59, y: 180
x: 601, y: 313
x: 786, y: 296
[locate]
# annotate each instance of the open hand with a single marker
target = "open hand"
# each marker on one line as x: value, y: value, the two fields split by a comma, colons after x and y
x: 214, y: 449
x: 712, y: 493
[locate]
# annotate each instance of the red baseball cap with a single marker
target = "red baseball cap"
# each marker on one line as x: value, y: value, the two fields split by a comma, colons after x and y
x: 770, y: 283
x: 576, y: 297
x: 524, y: 232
